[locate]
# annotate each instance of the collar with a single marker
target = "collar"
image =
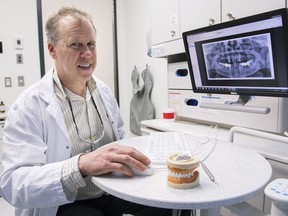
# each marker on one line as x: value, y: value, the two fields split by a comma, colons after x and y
x: 91, y: 87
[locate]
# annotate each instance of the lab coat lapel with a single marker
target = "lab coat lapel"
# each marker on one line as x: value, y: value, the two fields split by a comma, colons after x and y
x: 48, y: 95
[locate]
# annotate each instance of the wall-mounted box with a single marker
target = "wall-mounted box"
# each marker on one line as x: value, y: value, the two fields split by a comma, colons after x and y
x: 189, y: 105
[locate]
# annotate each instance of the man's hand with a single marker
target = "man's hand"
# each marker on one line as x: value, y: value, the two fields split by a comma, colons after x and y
x: 112, y: 157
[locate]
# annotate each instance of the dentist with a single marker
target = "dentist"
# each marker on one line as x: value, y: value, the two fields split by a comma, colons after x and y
x: 57, y: 131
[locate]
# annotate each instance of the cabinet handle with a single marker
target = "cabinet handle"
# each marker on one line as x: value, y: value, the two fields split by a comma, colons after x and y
x: 211, y: 21
x: 173, y: 33
x: 230, y: 16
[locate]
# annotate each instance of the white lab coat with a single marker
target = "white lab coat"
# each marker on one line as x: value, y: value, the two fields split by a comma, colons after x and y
x: 35, y: 146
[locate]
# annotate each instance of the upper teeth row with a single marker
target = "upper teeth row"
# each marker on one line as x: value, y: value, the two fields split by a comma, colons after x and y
x: 86, y: 65
x: 180, y: 175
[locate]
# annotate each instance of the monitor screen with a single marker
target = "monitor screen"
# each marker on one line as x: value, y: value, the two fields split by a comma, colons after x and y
x: 247, y: 56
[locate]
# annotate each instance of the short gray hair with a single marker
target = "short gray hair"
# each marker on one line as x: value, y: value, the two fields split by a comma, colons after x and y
x: 51, y: 28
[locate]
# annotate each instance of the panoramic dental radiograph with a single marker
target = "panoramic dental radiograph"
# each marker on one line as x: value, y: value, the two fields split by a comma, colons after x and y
x: 245, y: 57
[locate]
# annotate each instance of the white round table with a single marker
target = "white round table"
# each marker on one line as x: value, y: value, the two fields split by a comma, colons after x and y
x: 240, y: 174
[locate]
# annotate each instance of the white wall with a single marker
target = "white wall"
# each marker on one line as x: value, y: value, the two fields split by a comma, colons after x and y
x: 133, y: 24
x: 18, y: 19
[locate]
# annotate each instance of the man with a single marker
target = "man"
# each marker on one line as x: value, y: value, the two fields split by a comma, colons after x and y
x: 56, y: 133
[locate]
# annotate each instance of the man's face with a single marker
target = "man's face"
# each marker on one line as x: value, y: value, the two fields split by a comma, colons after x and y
x: 75, y: 53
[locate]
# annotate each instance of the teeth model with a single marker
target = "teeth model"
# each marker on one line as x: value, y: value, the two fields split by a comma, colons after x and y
x: 182, y: 173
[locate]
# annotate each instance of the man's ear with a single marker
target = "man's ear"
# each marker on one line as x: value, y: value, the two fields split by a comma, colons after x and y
x: 51, y: 50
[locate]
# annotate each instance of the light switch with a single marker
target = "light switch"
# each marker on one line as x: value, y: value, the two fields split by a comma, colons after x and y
x: 18, y: 43
x: 21, y: 82
x: 8, y: 82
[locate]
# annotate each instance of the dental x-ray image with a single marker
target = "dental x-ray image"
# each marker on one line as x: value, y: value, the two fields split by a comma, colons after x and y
x: 239, y: 58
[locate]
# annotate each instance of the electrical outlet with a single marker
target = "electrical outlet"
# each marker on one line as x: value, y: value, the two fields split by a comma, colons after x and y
x: 8, y: 82
x: 21, y: 82
x: 19, y: 58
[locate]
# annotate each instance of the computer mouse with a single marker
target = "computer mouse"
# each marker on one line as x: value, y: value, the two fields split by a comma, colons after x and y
x: 149, y: 171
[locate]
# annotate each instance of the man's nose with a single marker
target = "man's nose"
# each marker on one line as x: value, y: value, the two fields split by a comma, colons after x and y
x: 86, y: 50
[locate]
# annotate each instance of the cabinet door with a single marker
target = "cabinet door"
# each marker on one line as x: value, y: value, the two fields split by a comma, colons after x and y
x: 195, y: 14
x: 234, y: 9
x: 165, y: 21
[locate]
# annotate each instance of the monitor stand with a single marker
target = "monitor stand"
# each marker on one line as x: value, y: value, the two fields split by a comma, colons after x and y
x: 238, y: 106
x: 242, y: 100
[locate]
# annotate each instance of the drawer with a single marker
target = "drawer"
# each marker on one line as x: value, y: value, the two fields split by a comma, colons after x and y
x: 178, y: 76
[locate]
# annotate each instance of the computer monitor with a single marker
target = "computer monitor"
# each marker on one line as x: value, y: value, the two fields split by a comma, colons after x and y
x: 248, y: 56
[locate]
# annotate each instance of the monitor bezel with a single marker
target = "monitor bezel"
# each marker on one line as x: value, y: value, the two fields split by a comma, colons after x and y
x: 254, y: 18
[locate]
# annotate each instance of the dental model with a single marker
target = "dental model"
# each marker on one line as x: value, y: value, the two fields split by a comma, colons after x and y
x: 182, y: 173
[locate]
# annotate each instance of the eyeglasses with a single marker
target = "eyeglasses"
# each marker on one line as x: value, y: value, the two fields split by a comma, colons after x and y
x: 100, y: 136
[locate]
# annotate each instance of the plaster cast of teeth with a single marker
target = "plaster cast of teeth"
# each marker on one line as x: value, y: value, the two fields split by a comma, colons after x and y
x: 180, y: 175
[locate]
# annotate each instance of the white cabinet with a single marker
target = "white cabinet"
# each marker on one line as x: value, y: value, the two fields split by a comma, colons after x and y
x: 170, y: 18
x: 195, y: 14
x: 165, y: 21
x: 234, y: 9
